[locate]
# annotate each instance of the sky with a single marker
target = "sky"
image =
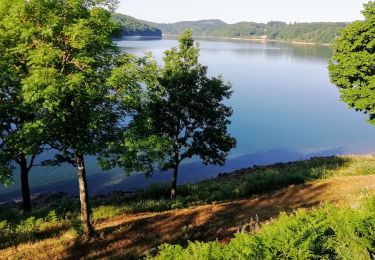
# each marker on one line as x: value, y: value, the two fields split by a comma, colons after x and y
x: 232, y: 11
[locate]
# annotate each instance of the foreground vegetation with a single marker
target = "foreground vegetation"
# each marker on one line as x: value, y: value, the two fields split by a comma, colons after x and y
x: 325, y: 233
x: 55, y: 215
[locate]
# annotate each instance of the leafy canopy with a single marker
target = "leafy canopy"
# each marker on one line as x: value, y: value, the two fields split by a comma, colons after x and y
x: 178, y: 112
x: 352, y: 67
x: 21, y: 132
x: 182, y: 113
x: 68, y: 50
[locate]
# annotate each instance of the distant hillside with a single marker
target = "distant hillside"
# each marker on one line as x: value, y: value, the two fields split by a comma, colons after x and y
x: 304, y: 32
x: 311, y: 32
x: 134, y: 27
x: 201, y: 28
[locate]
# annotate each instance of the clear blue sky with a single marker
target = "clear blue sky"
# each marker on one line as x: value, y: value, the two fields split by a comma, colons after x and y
x: 232, y: 11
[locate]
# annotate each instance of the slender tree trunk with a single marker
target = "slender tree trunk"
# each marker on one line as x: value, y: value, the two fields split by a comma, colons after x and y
x: 174, y: 182
x: 26, y: 201
x: 176, y: 163
x: 83, y: 195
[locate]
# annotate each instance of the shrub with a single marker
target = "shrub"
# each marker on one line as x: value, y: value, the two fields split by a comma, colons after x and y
x: 325, y: 233
x: 16, y: 227
x: 105, y: 212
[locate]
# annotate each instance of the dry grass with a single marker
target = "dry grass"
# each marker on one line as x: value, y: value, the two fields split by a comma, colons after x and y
x: 128, y: 236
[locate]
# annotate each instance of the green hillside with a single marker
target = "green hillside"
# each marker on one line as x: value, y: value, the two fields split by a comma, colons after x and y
x: 311, y: 32
x: 133, y: 27
x: 305, y: 32
x: 322, y: 32
x: 202, y: 28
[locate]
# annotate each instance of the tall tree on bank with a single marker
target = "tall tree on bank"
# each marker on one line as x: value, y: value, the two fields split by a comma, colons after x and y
x: 69, y: 53
x: 21, y: 138
x: 186, y: 109
x: 352, y: 67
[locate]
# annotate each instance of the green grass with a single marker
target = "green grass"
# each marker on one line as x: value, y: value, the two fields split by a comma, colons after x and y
x: 325, y: 233
x: 252, y: 181
x: 50, y: 219
x: 16, y: 227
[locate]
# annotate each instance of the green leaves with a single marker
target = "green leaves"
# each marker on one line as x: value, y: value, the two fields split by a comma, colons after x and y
x: 69, y: 56
x: 184, y: 107
x: 6, y: 170
x: 21, y: 125
x: 79, y: 34
x: 175, y: 109
x: 369, y: 11
x: 352, y: 65
x: 325, y: 233
x: 56, y: 58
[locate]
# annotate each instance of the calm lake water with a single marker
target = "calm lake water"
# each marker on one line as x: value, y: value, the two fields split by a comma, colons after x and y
x: 284, y: 109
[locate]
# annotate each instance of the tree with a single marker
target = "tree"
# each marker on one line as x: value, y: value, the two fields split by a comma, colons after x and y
x: 352, y: 67
x: 68, y: 51
x: 186, y: 110
x: 137, y: 148
x: 21, y: 138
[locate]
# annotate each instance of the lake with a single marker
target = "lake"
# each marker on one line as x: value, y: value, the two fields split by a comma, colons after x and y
x: 284, y: 109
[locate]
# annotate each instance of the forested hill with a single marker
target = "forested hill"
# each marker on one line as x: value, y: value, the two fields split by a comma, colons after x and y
x: 134, y: 27
x: 303, y: 32
x: 200, y: 28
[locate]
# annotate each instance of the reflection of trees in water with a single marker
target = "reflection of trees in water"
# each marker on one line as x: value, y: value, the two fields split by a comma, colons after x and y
x: 316, y: 51
x: 269, y: 49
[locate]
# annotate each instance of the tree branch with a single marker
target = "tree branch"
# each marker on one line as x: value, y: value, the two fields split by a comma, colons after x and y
x: 31, y: 164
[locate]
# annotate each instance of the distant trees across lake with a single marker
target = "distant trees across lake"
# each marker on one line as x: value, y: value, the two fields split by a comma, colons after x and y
x: 133, y: 27
x: 321, y: 32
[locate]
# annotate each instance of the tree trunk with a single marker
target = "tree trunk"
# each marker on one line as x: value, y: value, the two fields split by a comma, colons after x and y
x: 174, y: 182
x: 83, y: 195
x: 26, y: 202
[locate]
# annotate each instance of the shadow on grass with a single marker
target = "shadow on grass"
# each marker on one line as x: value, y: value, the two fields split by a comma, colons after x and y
x: 238, y: 184
x: 130, y: 237
x: 51, y: 215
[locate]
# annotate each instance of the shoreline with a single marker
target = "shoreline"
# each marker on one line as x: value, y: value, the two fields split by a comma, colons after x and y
x: 253, y: 39
x: 38, y: 198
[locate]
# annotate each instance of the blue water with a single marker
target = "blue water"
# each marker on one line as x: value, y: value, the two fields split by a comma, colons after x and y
x: 284, y: 109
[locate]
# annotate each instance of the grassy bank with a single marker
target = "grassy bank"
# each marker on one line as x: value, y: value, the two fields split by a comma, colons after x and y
x: 56, y: 217
x: 239, y: 184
